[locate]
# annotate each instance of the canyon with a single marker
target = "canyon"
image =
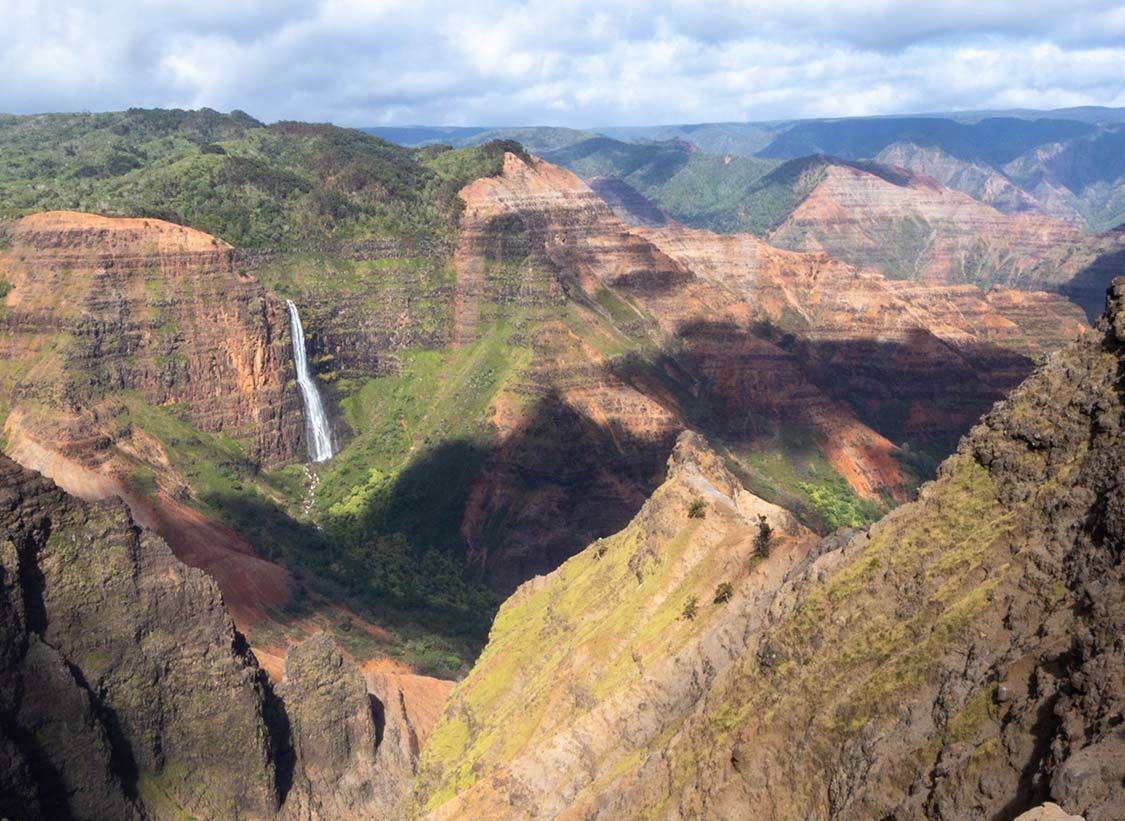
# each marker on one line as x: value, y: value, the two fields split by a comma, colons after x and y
x: 632, y: 336
x: 961, y: 658
x: 281, y: 490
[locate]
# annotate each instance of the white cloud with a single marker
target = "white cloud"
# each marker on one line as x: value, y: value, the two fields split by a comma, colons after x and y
x: 569, y: 62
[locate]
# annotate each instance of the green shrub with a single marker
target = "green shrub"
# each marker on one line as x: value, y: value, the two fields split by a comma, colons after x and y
x: 698, y: 509
x: 691, y: 608
x: 839, y: 506
x: 723, y: 593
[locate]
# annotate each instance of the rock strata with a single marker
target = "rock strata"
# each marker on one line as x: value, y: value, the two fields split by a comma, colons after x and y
x: 102, y: 304
x: 961, y: 659
x: 752, y: 343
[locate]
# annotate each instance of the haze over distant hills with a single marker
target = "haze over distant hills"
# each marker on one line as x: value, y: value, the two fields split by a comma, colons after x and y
x: 1031, y: 197
x: 1068, y: 163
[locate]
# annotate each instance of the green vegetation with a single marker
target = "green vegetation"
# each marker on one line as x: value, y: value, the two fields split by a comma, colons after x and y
x: 723, y: 593
x: 691, y: 608
x: 719, y: 192
x: 599, y: 614
x: 284, y: 186
x: 788, y: 470
x: 697, y: 509
x: 157, y: 788
x: 842, y: 676
x: 837, y: 505
x: 418, y: 587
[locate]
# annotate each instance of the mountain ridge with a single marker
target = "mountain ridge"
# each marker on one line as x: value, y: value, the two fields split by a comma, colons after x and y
x: 882, y: 670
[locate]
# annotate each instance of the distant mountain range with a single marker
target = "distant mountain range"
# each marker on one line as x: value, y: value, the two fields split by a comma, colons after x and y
x: 1068, y: 164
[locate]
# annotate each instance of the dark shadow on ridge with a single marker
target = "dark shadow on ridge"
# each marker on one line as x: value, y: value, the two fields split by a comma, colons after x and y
x: 1087, y: 288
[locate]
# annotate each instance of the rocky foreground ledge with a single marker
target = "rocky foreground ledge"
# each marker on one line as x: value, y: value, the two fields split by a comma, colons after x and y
x: 126, y: 692
x: 964, y: 658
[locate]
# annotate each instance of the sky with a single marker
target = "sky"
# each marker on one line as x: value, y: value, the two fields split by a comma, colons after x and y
x: 563, y: 62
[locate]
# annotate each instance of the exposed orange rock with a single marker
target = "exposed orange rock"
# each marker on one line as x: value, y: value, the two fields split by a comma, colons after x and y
x: 419, y: 698
x: 916, y: 229
x: 101, y: 305
x: 767, y: 336
x: 112, y: 303
x: 251, y: 586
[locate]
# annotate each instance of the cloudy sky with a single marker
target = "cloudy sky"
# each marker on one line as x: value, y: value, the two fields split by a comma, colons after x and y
x: 562, y: 62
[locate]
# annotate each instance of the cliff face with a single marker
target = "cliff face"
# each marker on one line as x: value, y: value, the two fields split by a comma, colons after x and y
x: 728, y: 334
x: 978, y: 180
x: 963, y: 658
x: 128, y: 693
x: 127, y: 340
x: 909, y: 227
x: 99, y: 305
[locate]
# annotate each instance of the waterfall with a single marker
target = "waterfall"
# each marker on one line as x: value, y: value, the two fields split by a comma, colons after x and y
x: 316, y: 423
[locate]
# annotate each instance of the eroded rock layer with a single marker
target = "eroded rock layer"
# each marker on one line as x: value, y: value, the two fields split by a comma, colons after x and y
x: 961, y: 659
x: 648, y: 331
x: 907, y: 226
x: 101, y: 304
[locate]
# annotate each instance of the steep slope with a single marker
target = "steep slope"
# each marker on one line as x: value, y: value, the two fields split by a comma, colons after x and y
x: 908, y: 227
x: 506, y: 372
x: 668, y: 328
x: 131, y: 347
x: 128, y: 693
x: 706, y: 190
x: 98, y: 304
x: 921, y: 211
x: 498, y: 407
x: 963, y: 658
x: 1086, y: 175
x: 624, y: 661
x: 981, y: 182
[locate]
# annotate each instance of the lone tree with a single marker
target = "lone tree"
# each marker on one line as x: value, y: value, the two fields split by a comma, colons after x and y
x: 723, y: 593
x: 762, y: 542
x: 697, y: 509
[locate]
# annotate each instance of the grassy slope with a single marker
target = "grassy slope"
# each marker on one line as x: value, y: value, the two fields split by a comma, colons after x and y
x: 718, y: 192
x: 579, y: 638
x: 862, y: 637
x: 701, y: 190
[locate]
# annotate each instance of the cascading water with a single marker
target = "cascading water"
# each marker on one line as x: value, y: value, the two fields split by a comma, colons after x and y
x: 316, y: 423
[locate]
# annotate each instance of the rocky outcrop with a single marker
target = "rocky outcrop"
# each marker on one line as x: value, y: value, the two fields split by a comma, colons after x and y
x: 961, y: 659
x: 108, y: 319
x: 876, y: 344
x: 127, y: 692
x: 105, y: 304
x: 599, y: 659
x: 337, y: 729
x: 1048, y: 812
x: 136, y: 650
